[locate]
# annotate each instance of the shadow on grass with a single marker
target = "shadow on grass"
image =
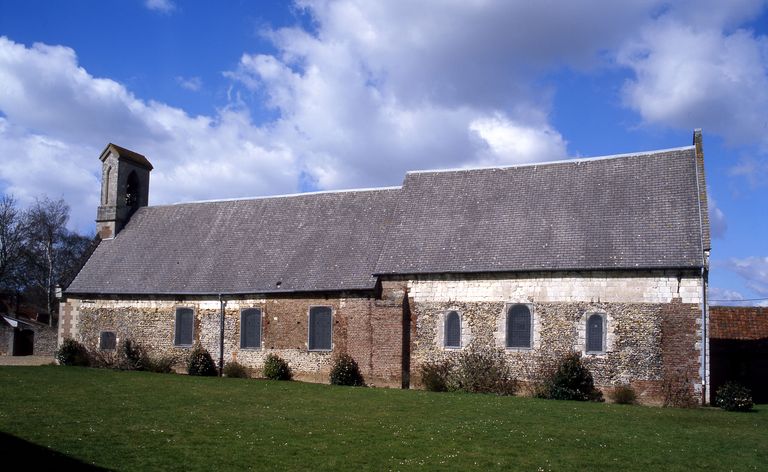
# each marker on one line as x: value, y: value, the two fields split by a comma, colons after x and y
x: 33, y: 456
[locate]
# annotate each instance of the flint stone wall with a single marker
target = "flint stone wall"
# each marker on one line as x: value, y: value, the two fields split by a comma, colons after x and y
x: 369, y: 330
x: 653, y: 323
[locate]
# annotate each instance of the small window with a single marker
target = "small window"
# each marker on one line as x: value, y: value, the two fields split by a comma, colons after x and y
x: 595, y: 333
x: 519, y: 326
x: 320, y: 327
x: 452, y: 337
x: 185, y: 319
x: 250, y: 328
x: 107, y: 341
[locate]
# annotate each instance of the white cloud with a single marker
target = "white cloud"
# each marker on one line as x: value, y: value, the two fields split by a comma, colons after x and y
x: 163, y: 6
x: 58, y: 118
x: 754, y: 271
x: 753, y: 169
x: 694, y: 73
x: 717, y: 222
x: 721, y: 296
x: 512, y: 143
x: 193, y: 84
x: 379, y: 88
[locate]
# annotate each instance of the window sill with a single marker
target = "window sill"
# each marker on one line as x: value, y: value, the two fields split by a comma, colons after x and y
x: 595, y: 353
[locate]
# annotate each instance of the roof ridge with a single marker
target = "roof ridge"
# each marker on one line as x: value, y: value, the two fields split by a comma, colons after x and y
x: 288, y: 195
x: 560, y: 161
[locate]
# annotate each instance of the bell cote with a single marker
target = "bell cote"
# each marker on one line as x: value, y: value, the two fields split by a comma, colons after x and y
x: 124, y: 188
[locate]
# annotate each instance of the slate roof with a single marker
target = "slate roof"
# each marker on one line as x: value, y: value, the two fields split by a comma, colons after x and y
x: 321, y: 241
x: 126, y: 153
x: 619, y: 212
x: 630, y: 211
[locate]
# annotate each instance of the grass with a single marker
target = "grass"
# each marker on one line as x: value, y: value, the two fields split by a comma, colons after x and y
x: 139, y: 421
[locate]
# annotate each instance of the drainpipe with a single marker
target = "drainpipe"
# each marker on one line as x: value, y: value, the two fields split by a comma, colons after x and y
x: 704, y: 335
x: 222, y: 304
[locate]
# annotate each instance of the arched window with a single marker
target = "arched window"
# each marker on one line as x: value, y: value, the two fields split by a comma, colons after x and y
x: 595, y: 333
x: 105, y: 187
x: 185, y: 326
x: 250, y: 328
x: 452, y: 336
x: 132, y: 193
x: 519, y: 326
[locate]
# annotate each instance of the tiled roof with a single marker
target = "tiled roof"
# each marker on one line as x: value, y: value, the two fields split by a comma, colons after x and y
x: 619, y: 212
x: 322, y: 241
x: 631, y: 211
x: 732, y: 322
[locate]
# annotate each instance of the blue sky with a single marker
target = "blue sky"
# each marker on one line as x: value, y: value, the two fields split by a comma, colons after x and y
x: 231, y: 99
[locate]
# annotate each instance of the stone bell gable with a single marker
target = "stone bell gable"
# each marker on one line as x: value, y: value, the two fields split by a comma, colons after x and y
x: 124, y: 188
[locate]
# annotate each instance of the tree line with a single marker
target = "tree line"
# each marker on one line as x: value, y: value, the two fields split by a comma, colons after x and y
x: 38, y: 252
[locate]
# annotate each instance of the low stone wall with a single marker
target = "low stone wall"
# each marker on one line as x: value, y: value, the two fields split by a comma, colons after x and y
x: 45, y: 339
x: 369, y: 330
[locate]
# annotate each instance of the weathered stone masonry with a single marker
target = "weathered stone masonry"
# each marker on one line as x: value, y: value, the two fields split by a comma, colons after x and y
x: 366, y: 328
x: 652, y: 330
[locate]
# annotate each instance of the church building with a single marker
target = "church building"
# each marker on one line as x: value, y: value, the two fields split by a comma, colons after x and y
x: 605, y: 256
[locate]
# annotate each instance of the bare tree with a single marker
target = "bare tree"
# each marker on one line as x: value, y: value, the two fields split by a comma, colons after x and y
x: 11, y: 244
x: 45, y: 230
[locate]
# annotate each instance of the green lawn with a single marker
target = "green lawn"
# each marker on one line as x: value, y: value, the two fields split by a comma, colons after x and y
x: 139, y: 421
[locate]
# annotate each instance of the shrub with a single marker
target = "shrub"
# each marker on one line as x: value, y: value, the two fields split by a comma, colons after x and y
x: 482, y: 371
x: 345, y: 371
x: 275, y: 368
x: 734, y: 397
x: 72, y: 352
x: 104, y: 359
x: 200, y: 362
x: 436, y: 376
x: 624, y: 395
x: 572, y: 381
x: 132, y: 355
x: 235, y: 369
x: 162, y: 364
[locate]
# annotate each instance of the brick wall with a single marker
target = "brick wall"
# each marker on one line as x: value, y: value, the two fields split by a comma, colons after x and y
x: 739, y: 348
x: 370, y: 330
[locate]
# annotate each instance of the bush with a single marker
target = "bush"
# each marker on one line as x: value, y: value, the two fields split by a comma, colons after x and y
x: 734, y: 397
x: 275, y: 368
x: 235, y: 369
x: 624, y: 395
x: 72, y: 352
x: 345, y: 371
x: 162, y: 364
x: 436, y: 376
x: 482, y: 371
x: 104, y: 359
x: 200, y: 362
x: 572, y: 381
x: 132, y: 355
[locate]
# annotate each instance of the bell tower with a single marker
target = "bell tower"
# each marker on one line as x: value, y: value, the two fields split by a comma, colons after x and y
x: 124, y: 188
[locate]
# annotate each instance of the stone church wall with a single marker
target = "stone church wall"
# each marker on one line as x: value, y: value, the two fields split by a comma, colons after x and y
x: 653, y: 323
x: 369, y: 330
